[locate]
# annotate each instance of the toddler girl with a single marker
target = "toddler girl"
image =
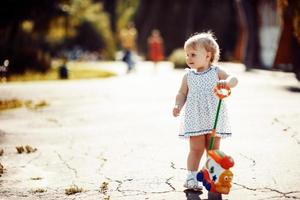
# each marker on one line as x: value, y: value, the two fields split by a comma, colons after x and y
x: 196, y: 93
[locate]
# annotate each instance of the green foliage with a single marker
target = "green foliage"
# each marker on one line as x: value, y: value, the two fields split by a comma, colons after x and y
x: 23, y: 25
x: 31, y: 29
x: 178, y: 58
x: 88, y: 12
x: 125, y: 11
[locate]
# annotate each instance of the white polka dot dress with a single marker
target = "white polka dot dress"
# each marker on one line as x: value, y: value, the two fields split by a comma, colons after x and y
x: 201, y: 106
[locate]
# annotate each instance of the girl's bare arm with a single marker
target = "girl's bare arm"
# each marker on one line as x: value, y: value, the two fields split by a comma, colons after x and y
x: 181, y: 97
x: 227, y: 79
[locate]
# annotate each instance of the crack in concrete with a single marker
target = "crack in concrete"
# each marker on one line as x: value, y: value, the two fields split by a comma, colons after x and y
x: 248, y: 158
x: 35, y: 158
x: 287, y: 129
x: 67, y: 165
x: 174, y: 167
x: 103, y: 161
x: 123, y: 192
x: 244, y: 186
x: 267, y: 189
x: 294, y: 136
x: 169, y: 184
x: 139, y: 192
x: 282, y: 194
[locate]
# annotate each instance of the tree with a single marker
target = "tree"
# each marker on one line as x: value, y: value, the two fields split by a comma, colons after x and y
x: 248, y: 46
x: 32, y: 31
x: 92, y: 16
x: 177, y: 20
x: 289, y: 45
x: 22, y: 28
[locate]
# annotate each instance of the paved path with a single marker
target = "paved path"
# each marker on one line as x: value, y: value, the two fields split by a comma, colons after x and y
x: 120, y: 131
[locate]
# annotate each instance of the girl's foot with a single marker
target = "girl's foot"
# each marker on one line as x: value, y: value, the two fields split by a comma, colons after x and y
x: 192, y: 184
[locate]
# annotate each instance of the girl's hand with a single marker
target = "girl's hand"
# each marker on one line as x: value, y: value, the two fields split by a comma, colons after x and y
x: 176, y: 111
x: 223, y: 83
x: 222, y: 89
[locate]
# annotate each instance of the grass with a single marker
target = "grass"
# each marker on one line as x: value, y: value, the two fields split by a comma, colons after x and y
x: 76, y: 70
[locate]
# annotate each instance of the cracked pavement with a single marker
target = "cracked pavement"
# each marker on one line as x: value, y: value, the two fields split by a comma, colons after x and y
x: 120, y: 131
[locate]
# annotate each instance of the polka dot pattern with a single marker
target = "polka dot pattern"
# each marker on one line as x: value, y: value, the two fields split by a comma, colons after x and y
x: 201, y: 106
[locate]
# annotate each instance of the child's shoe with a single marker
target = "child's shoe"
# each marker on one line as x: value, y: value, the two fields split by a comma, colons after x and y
x: 191, y: 182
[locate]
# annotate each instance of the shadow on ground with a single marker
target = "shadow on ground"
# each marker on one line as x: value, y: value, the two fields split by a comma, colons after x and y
x: 195, y: 195
x: 293, y: 89
x: 192, y: 195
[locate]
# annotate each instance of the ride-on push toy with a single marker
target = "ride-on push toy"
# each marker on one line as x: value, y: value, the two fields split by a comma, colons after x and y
x: 216, y: 175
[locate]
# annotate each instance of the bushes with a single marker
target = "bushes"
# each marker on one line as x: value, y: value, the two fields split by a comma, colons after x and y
x: 178, y: 58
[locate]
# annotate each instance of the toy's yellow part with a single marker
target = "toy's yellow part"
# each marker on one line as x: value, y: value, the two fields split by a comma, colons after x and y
x: 224, y: 182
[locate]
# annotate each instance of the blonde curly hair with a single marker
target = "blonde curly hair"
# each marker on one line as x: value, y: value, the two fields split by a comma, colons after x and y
x: 207, y: 41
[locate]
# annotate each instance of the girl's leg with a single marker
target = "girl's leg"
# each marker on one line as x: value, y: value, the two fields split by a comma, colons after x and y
x: 217, y: 142
x: 197, y: 147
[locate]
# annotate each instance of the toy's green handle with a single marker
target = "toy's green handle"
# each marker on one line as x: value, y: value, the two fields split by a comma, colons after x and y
x: 218, y: 91
x: 213, y: 134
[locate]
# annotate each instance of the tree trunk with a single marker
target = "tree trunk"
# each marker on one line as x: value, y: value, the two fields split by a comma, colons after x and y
x: 249, y: 10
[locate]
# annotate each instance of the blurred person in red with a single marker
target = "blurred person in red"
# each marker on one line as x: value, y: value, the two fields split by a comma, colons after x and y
x: 155, y: 47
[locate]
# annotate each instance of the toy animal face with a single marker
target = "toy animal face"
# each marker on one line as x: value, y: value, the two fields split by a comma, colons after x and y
x: 226, y: 178
x: 216, y: 175
x: 214, y: 169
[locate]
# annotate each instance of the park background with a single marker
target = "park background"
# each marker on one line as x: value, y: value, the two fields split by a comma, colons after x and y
x: 107, y: 134
x: 261, y: 34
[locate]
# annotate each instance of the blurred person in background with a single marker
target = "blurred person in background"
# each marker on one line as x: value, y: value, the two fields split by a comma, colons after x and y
x: 128, y: 37
x: 155, y: 47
